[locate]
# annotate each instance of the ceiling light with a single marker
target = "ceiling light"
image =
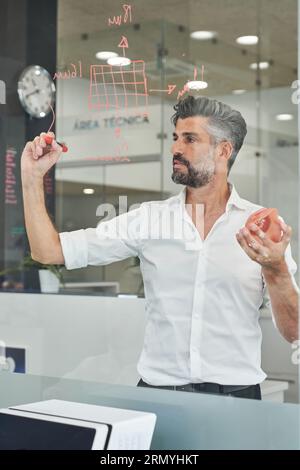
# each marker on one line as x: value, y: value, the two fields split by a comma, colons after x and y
x: 238, y: 91
x: 196, y: 85
x: 203, y: 35
x: 284, y: 117
x: 125, y: 296
x: 247, y: 40
x: 121, y: 61
x: 261, y: 65
x: 104, y: 55
x: 88, y: 191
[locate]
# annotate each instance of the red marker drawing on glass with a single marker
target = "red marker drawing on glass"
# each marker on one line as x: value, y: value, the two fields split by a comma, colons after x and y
x: 49, y: 139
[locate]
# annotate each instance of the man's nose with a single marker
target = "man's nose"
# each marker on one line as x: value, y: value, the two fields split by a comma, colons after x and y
x: 177, y: 148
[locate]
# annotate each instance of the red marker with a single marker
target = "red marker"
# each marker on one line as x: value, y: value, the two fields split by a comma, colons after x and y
x: 49, y: 140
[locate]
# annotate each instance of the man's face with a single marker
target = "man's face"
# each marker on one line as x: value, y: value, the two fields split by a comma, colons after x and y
x: 193, y: 154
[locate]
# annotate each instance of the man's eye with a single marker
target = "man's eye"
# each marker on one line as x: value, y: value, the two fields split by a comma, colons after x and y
x: 190, y: 139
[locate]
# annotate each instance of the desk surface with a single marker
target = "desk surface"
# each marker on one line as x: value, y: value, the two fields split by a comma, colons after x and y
x: 184, y: 420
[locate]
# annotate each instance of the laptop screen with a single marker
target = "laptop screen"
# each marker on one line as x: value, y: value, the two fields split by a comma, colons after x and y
x: 20, y: 433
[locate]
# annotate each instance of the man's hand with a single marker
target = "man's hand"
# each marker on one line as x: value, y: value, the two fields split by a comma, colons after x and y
x: 284, y: 294
x: 260, y: 248
x: 38, y: 157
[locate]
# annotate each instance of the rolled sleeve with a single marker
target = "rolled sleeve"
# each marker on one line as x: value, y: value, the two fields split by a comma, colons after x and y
x: 111, y: 241
x: 292, y: 267
x: 74, y: 248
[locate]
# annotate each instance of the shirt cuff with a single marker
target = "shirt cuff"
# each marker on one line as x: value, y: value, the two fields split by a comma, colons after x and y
x: 74, y: 248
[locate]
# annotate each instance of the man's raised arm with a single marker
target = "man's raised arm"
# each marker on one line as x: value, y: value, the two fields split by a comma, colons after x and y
x: 37, y: 158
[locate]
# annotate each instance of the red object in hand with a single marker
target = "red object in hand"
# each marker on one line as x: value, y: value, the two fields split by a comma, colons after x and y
x: 267, y: 220
x: 49, y: 140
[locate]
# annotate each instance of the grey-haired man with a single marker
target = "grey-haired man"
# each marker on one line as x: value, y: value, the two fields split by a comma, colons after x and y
x: 203, y: 288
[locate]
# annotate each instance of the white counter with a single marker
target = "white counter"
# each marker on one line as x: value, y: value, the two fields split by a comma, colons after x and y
x: 273, y: 390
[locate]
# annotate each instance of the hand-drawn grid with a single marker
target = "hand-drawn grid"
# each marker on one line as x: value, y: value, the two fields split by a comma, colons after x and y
x: 111, y: 86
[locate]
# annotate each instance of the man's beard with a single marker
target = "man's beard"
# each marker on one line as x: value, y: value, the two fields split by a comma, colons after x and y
x: 195, y: 178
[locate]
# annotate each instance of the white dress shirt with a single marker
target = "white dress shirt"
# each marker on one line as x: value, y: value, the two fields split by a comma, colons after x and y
x: 202, y: 297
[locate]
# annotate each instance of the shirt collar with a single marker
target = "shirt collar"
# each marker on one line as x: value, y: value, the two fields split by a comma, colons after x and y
x: 234, y: 198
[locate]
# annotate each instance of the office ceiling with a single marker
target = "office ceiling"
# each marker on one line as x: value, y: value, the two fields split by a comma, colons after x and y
x: 83, y: 30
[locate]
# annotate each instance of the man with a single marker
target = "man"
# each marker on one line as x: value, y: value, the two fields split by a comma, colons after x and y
x: 204, y: 272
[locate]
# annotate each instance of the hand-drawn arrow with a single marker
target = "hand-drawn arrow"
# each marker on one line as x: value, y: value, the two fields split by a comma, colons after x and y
x: 124, y: 44
x: 170, y: 89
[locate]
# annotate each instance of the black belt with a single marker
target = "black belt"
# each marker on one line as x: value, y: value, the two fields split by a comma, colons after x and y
x: 208, y: 387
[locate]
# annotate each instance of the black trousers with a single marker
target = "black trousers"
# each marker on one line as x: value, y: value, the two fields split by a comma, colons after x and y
x: 240, y: 391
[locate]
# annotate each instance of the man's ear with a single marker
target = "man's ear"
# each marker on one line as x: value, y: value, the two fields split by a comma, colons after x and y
x: 225, y: 149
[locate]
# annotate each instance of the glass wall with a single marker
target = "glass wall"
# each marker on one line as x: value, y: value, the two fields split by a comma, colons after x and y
x: 124, y: 123
x: 115, y: 120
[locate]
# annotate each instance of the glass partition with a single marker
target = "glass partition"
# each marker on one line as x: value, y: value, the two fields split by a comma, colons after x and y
x: 185, y: 421
x: 116, y: 121
x: 172, y: 57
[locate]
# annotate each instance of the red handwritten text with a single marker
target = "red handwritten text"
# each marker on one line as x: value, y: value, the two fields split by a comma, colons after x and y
x: 123, y: 18
x: 183, y: 91
x: 74, y: 72
x: 10, y: 178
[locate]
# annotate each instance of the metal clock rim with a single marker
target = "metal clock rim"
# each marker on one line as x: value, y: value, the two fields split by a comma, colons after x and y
x: 21, y: 93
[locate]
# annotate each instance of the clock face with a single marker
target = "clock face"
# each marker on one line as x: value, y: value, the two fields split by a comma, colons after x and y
x: 36, y: 91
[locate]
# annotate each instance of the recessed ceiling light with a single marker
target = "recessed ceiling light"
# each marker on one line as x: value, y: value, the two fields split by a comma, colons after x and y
x: 42, y: 114
x: 238, y: 91
x: 203, y: 35
x: 121, y: 61
x: 104, y: 55
x: 125, y: 296
x: 88, y: 191
x: 261, y: 65
x: 284, y: 117
x: 196, y: 85
x: 247, y: 40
